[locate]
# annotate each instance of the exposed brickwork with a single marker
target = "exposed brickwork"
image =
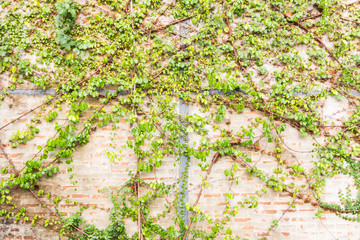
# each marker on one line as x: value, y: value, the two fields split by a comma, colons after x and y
x: 93, y: 171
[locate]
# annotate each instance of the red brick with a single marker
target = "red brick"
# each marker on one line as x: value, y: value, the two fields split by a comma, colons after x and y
x: 242, y: 219
x: 269, y: 211
x: 80, y: 196
x: 119, y: 138
x: 98, y: 197
x: 16, y: 154
x: 212, y: 195
x: 13, y: 237
x: 248, y: 227
x: 29, y: 238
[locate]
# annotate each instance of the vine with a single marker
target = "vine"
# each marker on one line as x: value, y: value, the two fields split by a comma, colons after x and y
x: 112, y: 63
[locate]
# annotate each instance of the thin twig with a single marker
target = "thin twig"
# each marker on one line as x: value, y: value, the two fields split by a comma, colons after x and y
x: 215, y: 158
x: 350, y: 20
x: 172, y: 23
x: 57, y: 158
x: 16, y: 119
x: 307, y: 30
x: 53, y: 212
x: 100, y: 67
x: 320, y: 14
x: 8, y: 158
x: 300, y: 196
x: 231, y: 42
x: 311, y: 17
x: 167, y: 7
x: 327, y: 229
x: 288, y: 146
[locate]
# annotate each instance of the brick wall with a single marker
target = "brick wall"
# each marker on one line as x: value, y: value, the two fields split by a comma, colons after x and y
x: 93, y: 171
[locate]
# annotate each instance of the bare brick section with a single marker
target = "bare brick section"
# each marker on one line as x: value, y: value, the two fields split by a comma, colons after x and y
x: 93, y: 171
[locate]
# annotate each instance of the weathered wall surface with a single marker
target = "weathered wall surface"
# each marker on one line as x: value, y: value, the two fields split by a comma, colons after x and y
x: 296, y: 223
x: 93, y: 171
x: 92, y: 168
